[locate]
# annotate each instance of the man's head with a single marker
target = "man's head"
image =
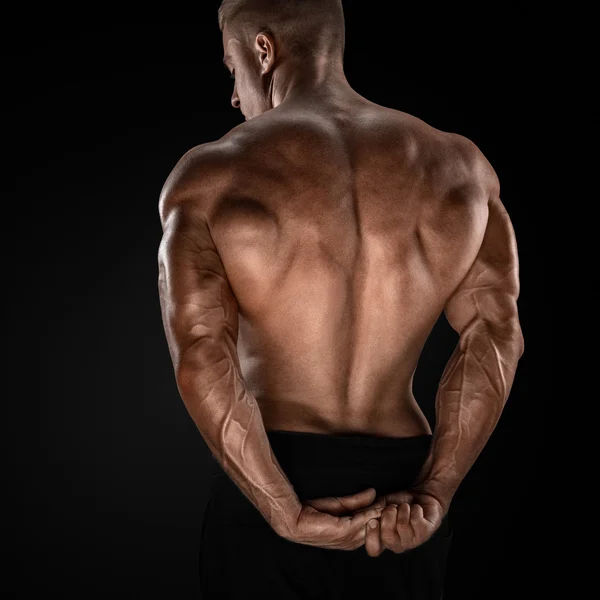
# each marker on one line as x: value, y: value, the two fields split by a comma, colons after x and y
x: 301, y: 40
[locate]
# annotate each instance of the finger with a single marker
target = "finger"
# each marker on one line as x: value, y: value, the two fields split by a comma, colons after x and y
x: 376, y: 508
x: 353, y: 529
x: 361, y: 517
x: 432, y: 512
x: 340, y: 505
x: 398, y: 498
x: 404, y: 526
x: 403, y: 515
x: 330, y: 505
x: 379, y: 503
x: 421, y: 527
x: 389, y: 533
x: 358, y: 521
x: 373, y: 545
x: 416, y: 513
x: 360, y: 500
x: 357, y: 524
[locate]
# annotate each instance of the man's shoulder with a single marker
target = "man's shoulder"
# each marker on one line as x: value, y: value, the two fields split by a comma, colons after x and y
x: 206, y: 171
x: 466, y: 163
x: 448, y: 157
x: 198, y: 174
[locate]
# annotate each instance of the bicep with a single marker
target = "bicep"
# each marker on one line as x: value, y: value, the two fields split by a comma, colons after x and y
x: 198, y: 307
x: 488, y: 293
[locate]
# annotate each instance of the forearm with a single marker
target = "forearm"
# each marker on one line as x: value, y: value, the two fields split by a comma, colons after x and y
x: 229, y: 419
x: 472, y: 393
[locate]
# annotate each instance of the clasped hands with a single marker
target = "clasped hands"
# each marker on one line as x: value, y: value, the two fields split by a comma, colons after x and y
x: 398, y: 521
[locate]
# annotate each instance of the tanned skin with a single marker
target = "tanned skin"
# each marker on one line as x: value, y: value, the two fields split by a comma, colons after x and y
x: 306, y: 256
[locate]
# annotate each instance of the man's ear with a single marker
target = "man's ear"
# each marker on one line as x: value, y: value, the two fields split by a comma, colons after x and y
x: 265, y: 45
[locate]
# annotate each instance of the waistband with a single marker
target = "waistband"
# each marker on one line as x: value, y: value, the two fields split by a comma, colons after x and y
x: 298, y: 451
x: 354, y: 439
x: 320, y: 464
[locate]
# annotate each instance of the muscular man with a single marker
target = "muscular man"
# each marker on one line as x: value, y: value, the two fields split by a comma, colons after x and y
x: 306, y: 256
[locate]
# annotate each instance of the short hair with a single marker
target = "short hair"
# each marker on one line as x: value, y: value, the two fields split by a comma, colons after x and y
x: 307, y: 28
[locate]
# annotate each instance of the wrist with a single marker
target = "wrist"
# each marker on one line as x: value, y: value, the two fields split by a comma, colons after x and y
x: 442, y: 493
x: 287, y: 519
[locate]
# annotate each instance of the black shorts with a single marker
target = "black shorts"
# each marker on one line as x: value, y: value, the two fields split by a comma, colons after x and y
x: 241, y: 556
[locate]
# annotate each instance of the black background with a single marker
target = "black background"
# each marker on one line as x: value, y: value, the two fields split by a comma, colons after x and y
x: 111, y: 487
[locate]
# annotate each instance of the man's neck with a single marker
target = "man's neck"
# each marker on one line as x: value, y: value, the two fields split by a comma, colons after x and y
x: 319, y: 81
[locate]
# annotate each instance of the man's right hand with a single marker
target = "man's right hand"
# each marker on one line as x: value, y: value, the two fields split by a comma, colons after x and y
x: 325, y: 522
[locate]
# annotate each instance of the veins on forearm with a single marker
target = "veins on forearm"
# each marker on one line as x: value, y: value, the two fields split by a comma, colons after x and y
x: 233, y: 429
x: 470, y: 400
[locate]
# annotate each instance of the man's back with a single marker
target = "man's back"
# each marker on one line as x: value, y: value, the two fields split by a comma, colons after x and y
x: 305, y: 258
x: 343, y: 231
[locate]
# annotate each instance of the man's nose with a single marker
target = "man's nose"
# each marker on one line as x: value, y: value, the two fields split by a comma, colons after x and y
x: 235, y: 101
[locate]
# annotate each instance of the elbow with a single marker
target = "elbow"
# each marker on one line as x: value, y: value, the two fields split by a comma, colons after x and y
x: 515, y: 334
x: 504, y: 329
x: 205, y: 360
x: 509, y: 331
x: 521, y: 342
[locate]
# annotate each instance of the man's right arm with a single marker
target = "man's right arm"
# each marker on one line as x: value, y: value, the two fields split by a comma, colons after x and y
x: 478, y: 378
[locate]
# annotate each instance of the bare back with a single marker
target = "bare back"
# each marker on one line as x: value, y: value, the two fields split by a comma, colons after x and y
x: 342, y: 235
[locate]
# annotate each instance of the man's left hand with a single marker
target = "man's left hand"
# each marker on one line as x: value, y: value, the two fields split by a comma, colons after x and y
x: 408, y: 519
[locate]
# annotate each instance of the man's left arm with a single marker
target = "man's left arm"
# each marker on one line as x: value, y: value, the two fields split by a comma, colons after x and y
x: 473, y: 389
x: 477, y: 380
